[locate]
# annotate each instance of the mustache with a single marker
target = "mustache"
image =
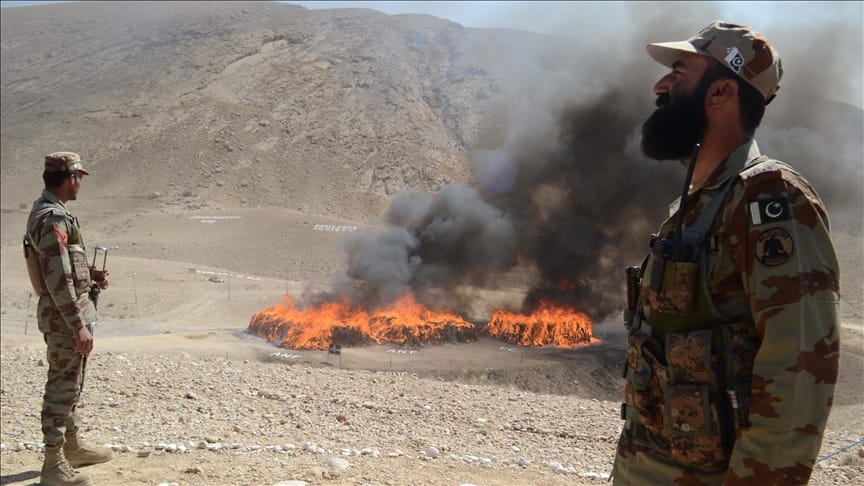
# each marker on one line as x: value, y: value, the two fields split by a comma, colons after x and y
x: 663, y: 100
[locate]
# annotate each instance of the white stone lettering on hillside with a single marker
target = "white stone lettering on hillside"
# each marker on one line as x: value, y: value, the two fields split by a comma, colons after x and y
x: 212, y: 219
x: 398, y: 374
x: 334, y: 228
x: 225, y: 274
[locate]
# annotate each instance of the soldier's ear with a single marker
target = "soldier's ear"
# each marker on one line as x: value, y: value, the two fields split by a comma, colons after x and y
x: 721, y: 92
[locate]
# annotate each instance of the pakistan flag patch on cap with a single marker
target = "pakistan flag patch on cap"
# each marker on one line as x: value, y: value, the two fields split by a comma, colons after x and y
x: 769, y: 210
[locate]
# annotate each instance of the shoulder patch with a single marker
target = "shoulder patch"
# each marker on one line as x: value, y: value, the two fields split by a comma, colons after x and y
x: 62, y: 236
x: 769, y: 210
x: 774, y: 247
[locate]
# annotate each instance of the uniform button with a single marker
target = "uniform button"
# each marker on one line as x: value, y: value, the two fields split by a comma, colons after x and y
x: 685, y: 427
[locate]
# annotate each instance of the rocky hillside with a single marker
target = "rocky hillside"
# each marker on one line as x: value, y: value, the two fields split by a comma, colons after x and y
x: 258, y: 104
x: 293, y: 118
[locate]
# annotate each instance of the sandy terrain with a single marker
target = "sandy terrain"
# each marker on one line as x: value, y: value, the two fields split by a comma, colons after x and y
x: 167, y: 330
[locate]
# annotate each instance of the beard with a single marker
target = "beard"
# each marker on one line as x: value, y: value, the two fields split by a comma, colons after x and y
x: 675, y: 126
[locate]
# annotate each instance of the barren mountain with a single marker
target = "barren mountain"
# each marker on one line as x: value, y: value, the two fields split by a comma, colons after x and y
x: 325, y: 116
x: 246, y: 104
x: 185, y: 107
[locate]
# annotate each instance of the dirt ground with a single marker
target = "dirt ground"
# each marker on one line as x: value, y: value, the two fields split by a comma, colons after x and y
x: 166, y: 309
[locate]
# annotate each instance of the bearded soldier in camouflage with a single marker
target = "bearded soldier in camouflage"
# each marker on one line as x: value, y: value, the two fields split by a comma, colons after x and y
x: 734, y: 341
x: 62, y: 277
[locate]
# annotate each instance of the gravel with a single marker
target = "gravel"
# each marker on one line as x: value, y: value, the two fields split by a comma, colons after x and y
x: 359, y: 426
x: 178, y: 419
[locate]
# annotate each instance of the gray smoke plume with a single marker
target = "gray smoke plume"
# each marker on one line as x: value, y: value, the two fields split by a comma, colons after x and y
x: 433, y: 243
x: 562, y: 189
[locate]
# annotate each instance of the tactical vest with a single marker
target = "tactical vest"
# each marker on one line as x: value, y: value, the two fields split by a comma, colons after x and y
x: 688, y: 371
x: 74, y: 245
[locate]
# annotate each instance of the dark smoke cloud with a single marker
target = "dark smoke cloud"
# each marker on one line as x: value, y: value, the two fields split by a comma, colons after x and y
x: 429, y: 244
x: 562, y: 189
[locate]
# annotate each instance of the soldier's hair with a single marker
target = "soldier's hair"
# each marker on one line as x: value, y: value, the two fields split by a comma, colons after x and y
x: 750, y: 100
x: 54, y: 179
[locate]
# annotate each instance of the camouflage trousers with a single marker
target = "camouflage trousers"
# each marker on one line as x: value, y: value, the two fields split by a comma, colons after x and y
x: 640, y: 466
x: 62, y: 388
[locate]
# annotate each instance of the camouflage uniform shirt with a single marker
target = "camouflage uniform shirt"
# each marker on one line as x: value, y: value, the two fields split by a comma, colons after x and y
x: 771, y: 266
x: 63, y: 267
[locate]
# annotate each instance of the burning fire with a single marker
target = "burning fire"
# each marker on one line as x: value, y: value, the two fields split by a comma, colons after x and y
x: 404, y: 322
x: 547, y: 325
x: 407, y: 322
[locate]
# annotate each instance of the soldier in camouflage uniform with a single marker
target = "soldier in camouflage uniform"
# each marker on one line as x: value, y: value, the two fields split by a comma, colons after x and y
x: 733, y: 344
x: 64, y: 313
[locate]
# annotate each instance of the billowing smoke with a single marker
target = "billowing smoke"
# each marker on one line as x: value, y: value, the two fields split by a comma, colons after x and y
x: 434, y: 242
x: 563, y: 194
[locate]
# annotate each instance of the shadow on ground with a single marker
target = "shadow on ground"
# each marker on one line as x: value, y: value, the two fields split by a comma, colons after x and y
x: 17, y: 478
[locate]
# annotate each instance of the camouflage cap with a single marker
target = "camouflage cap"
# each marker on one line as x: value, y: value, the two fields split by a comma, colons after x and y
x: 741, y: 49
x: 64, y: 161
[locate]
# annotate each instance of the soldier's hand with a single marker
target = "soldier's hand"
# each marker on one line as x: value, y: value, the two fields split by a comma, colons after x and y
x: 83, y: 341
x: 99, y: 277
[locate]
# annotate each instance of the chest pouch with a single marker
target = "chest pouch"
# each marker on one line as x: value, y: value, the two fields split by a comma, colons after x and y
x: 675, y: 261
x: 673, y: 276
x: 675, y: 399
x: 691, y: 401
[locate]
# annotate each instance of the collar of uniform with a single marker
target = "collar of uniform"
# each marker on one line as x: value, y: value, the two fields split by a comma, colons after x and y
x: 52, y: 198
x: 734, y: 163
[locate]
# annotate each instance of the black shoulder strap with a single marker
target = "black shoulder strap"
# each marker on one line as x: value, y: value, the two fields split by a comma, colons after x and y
x: 696, y: 234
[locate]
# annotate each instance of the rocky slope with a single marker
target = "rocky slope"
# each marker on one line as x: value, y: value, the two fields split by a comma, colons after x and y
x: 247, y: 104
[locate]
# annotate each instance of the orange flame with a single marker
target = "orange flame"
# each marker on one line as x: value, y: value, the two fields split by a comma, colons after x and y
x: 404, y: 322
x: 547, y: 325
